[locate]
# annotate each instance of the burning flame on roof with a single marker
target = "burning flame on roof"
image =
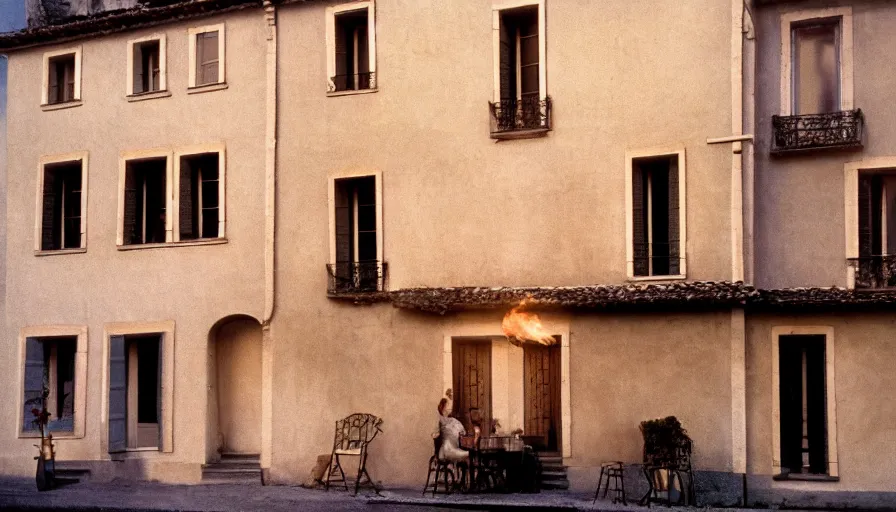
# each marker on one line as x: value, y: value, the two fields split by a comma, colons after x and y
x: 522, y: 326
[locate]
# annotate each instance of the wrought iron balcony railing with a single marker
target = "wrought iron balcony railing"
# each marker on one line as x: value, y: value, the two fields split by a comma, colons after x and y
x: 514, y: 118
x: 874, y: 272
x: 818, y: 131
x: 349, y: 277
x: 353, y: 82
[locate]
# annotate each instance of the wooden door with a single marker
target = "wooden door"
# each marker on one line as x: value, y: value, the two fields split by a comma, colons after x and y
x: 541, y: 395
x: 472, y: 369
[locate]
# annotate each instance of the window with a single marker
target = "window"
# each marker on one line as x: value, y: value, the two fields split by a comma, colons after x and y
x: 656, y: 242
x: 50, y: 381
x: 874, y: 265
x: 201, y: 190
x: 146, y: 64
x: 206, y: 56
x: 803, y: 404
x: 61, y: 225
x: 816, y: 61
x: 356, y: 227
x: 519, y: 66
x: 145, y: 201
x: 62, y: 77
x: 135, y: 392
x: 351, y: 47
x: 816, y: 67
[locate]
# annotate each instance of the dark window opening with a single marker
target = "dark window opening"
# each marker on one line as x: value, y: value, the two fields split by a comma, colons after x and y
x: 62, y: 79
x: 147, y: 379
x: 61, y: 215
x: 803, y: 403
x: 147, y: 70
x: 519, y: 64
x: 352, y: 51
x: 199, y: 196
x: 144, y: 201
x: 655, y: 216
x: 207, y: 58
x: 356, y: 265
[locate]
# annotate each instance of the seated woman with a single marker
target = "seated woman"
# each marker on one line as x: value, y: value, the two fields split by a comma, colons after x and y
x: 450, y: 430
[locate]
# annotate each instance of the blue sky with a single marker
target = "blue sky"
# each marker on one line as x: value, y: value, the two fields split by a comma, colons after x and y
x: 12, y: 17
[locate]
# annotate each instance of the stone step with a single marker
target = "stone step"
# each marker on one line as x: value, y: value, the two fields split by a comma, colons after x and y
x: 553, y: 475
x: 246, y: 457
x: 226, y: 469
x: 233, y: 465
x: 555, y: 484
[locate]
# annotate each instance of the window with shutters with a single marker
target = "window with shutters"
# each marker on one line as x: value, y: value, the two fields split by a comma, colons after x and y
x: 61, y: 224
x: 62, y: 77
x: 805, y: 440
x: 145, y: 206
x: 356, y: 252
x: 875, y: 266
x: 655, y: 216
x: 54, y: 371
x: 200, y: 195
x: 206, y: 56
x: 146, y: 65
x: 521, y: 103
x: 351, y: 46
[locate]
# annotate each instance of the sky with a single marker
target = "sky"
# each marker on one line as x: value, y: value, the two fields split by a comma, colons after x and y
x: 12, y: 17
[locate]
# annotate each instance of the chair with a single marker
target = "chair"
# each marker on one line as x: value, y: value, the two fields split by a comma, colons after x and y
x: 615, y: 471
x: 439, y: 467
x: 675, y: 464
x: 353, y: 436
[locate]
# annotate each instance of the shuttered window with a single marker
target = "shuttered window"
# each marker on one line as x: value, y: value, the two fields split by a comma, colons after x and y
x: 147, y: 67
x: 145, y: 192
x: 49, y: 383
x: 356, y: 222
x: 61, y: 82
x: 655, y: 216
x: 352, y: 51
x: 207, y: 58
x: 519, y: 53
x: 61, y: 206
x: 199, y: 196
x: 803, y: 403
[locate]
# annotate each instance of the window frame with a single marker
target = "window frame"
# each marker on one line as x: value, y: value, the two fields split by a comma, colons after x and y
x: 851, y: 172
x: 630, y: 157
x: 45, y: 82
x: 80, y: 402
x: 220, y: 149
x: 192, y: 33
x: 830, y: 397
x: 129, y: 156
x: 801, y: 17
x: 497, y: 10
x: 330, y: 26
x: 331, y: 204
x: 166, y: 330
x: 163, y: 65
x: 43, y: 162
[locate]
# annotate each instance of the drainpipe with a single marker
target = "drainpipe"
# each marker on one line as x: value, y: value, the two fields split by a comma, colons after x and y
x: 270, y: 202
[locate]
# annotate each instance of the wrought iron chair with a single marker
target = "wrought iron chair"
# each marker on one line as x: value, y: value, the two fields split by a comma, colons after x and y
x: 675, y: 462
x: 353, y: 436
x: 439, y: 467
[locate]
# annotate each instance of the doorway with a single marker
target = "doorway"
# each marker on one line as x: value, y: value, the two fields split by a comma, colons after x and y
x: 472, y: 383
x: 541, y: 396
x: 235, y: 393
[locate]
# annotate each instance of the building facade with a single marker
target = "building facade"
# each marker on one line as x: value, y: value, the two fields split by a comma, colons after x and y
x: 299, y: 211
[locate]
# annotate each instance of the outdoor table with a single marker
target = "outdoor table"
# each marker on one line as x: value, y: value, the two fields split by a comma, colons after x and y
x: 499, y: 458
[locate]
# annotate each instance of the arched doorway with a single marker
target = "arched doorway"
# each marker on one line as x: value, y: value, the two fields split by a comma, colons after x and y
x: 235, y: 387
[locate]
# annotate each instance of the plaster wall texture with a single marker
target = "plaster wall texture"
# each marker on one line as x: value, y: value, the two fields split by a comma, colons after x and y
x: 238, y: 352
x: 459, y: 209
x: 193, y: 286
x: 799, y: 215
x: 866, y: 437
x: 606, y: 402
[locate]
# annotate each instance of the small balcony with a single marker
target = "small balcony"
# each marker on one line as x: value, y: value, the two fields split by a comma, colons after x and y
x: 350, y: 278
x: 874, y: 272
x: 517, y: 119
x: 833, y: 130
x: 353, y: 82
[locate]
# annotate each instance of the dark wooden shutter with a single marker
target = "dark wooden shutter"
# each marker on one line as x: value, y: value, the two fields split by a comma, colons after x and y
x: 341, y: 54
x: 139, y: 68
x: 50, y: 233
x: 816, y: 405
x: 472, y: 380
x: 34, y: 382
x: 791, y: 404
x: 363, y: 52
x: 118, y: 394
x: 159, y: 394
x: 639, y: 226
x: 506, y: 66
x: 54, y: 83
x: 186, y: 198
x: 674, y: 220
x: 130, y: 229
x: 344, y: 218
x: 72, y: 213
x: 865, y: 215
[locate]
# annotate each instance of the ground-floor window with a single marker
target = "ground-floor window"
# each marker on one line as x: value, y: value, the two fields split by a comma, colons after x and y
x: 50, y: 382
x: 135, y: 394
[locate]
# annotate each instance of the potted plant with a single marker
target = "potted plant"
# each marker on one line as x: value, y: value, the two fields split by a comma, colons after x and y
x: 46, y: 458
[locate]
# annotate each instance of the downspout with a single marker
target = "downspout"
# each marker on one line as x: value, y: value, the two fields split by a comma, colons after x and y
x: 270, y: 203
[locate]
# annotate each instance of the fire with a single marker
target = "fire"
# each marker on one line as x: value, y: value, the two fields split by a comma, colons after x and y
x: 521, y: 326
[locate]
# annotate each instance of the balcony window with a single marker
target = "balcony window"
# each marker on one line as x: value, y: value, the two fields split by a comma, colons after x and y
x: 816, y: 67
x: 351, y: 48
x: 521, y: 105
x: 656, y: 219
x: 876, y: 265
x: 356, y: 264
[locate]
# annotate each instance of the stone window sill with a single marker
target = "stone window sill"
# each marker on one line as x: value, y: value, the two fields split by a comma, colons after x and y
x: 56, y: 435
x: 61, y: 106
x: 640, y: 279
x: 186, y: 243
x: 207, y: 88
x: 143, y: 96
x: 804, y: 477
x: 351, y: 93
x: 79, y: 250
x: 533, y: 133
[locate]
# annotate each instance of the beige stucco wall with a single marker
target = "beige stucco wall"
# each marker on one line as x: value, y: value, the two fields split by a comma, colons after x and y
x: 799, y: 216
x: 193, y: 286
x: 238, y: 354
x: 866, y: 437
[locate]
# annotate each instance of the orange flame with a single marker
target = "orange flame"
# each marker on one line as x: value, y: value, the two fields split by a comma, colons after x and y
x: 521, y: 326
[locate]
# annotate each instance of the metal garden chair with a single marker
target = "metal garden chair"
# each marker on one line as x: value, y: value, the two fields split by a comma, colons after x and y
x: 353, y: 436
